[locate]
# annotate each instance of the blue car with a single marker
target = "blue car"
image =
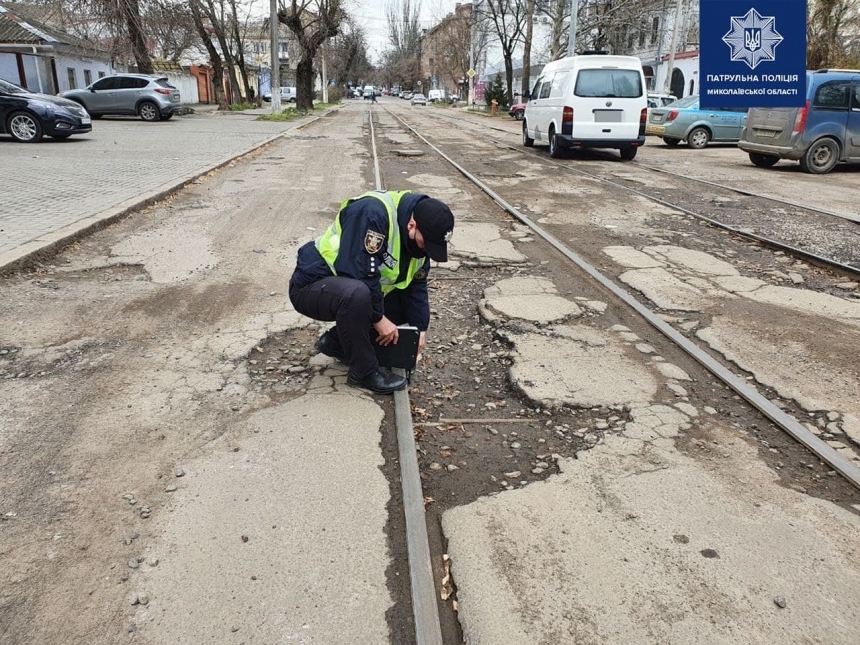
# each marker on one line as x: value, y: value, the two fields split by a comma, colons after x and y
x: 684, y: 121
x: 27, y: 116
x: 819, y: 135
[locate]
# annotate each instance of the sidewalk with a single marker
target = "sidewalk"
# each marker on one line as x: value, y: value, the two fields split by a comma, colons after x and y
x: 58, y: 190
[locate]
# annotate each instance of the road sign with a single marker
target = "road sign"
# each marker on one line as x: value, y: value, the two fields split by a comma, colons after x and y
x: 419, y: 83
x: 471, y: 73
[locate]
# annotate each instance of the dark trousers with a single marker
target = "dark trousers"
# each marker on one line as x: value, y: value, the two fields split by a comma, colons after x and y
x: 346, y: 302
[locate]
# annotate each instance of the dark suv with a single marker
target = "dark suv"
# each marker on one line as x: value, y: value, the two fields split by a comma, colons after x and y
x: 152, y: 98
x: 819, y: 135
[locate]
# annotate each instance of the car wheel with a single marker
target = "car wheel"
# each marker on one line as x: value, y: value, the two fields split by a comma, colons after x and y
x: 763, y: 161
x: 528, y: 142
x: 519, y: 114
x: 24, y: 127
x: 149, y: 111
x: 698, y: 138
x: 167, y: 117
x: 60, y: 137
x: 628, y: 153
x: 821, y: 157
x: 669, y: 141
x: 554, y: 150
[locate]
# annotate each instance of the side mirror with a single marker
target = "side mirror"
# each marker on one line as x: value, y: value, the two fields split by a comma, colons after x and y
x: 92, y: 90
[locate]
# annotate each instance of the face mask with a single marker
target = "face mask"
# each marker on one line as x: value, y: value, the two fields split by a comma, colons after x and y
x: 414, y: 250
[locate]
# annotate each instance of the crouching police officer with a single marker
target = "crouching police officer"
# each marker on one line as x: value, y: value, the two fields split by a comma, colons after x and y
x: 368, y: 274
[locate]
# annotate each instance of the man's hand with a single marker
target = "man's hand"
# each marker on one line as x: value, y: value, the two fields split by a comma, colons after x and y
x: 387, y: 331
x: 422, y: 339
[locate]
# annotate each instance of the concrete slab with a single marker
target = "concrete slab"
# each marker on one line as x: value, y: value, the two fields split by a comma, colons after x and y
x: 505, y: 300
x: 292, y: 554
x: 636, y: 543
x: 665, y: 290
x: 483, y: 243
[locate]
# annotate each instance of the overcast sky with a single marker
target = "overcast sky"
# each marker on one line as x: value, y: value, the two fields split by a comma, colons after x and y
x: 370, y: 14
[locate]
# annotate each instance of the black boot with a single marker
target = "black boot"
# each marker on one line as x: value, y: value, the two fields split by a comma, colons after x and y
x: 329, y: 344
x: 378, y: 381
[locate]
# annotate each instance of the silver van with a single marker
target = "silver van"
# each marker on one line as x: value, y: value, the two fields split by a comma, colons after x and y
x: 588, y: 101
x: 821, y: 134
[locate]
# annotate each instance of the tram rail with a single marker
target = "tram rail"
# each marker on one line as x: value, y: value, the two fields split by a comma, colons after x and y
x: 807, y: 220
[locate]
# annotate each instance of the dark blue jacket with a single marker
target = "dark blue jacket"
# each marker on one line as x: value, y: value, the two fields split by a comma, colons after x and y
x: 353, y: 260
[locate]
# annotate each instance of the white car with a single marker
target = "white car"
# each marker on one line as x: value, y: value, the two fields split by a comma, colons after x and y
x: 419, y: 99
x: 588, y: 101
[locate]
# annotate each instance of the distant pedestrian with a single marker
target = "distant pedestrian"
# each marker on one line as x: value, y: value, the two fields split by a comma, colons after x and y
x: 367, y: 273
x: 373, y: 97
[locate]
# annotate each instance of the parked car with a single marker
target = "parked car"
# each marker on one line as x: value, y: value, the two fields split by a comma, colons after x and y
x: 659, y: 100
x: 683, y: 120
x: 407, y: 95
x: 28, y: 117
x: 288, y: 95
x: 821, y: 134
x: 152, y: 98
x: 517, y: 111
x: 588, y: 101
x: 418, y: 99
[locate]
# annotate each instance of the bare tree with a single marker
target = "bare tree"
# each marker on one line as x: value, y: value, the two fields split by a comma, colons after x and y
x: 507, y: 18
x: 452, y: 44
x: 404, y: 29
x: 214, y: 56
x: 311, y: 21
x: 171, y: 26
x: 828, y: 27
x: 347, y: 60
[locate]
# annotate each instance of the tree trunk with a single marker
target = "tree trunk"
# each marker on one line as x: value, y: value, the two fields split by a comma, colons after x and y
x: 509, y: 75
x: 240, y: 49
x: 131, y: 14
x: 214, y: 58
x: 305, y: 83
x: 218, y: 28
x: 527, y: 46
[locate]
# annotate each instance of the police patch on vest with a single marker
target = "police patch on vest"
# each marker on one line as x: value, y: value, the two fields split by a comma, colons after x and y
x: 389, y: 261
x: 373, y: 241
x: 420, y: 274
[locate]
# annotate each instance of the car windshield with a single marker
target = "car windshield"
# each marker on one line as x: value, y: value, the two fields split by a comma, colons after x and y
x: 9, y: 88
x: 685, y: 102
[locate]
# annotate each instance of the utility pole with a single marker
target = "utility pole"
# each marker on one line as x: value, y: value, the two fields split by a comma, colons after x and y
x: 276, y: 63
x: 667, y: 83
x: 474, y: 31
x: 571, y: 40
x: 660, y: 35
x: 324, y: 76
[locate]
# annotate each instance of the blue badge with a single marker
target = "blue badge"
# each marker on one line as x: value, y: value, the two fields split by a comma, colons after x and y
x: 752, y: 53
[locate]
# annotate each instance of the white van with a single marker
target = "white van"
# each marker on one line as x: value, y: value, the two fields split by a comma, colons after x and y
x: 588, y: 101
x: 436, y: 96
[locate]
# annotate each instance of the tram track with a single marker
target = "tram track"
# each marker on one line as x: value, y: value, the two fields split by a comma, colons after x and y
x: 421, y: 557
x: 822, y: 236
x: 786, y: 422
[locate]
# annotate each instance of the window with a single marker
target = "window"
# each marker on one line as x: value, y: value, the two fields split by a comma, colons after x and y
x: 855, y: 98
x: 832, y: 95
x: 110, y: 83
x: 536, y: 90
x: 692, y: 87
x: 642, y: 36
x: 614, y: 83
x: 73, y: 82
x: 545, y: 88
x: 88, y: 77
x: 101, y: 74
x: 558, y: 84
x: 655, y: 29
x: 132, y: 83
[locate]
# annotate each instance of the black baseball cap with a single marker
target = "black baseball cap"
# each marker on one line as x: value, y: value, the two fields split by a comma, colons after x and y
x: 435, y: 221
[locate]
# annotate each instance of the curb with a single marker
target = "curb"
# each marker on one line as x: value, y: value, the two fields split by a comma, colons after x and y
x: 48, y: 245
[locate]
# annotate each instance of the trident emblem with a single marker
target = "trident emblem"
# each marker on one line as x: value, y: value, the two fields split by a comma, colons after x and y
x: 752, y: 39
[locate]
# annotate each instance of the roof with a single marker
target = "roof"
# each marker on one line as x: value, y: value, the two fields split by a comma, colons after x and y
x: 14, y: 29
x: 690, y: 54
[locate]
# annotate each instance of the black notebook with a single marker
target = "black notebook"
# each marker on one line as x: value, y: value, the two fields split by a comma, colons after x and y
x: 404, y: 354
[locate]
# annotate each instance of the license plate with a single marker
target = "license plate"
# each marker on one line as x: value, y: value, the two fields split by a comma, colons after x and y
x: 86, y: 120
x: 765, y: 134
x: 607, y: 116
x: 655, y: 129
